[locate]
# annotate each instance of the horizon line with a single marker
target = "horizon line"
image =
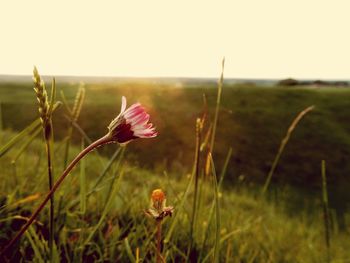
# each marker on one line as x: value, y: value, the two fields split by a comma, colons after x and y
x: 171, y: 77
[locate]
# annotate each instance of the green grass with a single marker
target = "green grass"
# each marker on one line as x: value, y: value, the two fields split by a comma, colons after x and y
x: 284, y: 226
x: 252, y: 121
x: 252, y: 229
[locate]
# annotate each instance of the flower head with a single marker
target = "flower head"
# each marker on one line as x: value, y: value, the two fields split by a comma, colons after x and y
x: 158, y: 209
x: 131, y: 123
x: 158, y: 199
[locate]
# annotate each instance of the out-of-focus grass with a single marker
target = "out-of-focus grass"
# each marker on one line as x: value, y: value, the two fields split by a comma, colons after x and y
x: 252, y: 228
x: 284, y: 227
x: 252, y: 121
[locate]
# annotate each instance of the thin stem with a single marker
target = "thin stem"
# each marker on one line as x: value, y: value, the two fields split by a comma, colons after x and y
x: 104, y: 140
x: 326, y: 210
x: 52, y: 208
x: 218, y: 100
x: 283, y: 145
x: 159, y: 239
x: 66, y: 149
x: 196, y: 172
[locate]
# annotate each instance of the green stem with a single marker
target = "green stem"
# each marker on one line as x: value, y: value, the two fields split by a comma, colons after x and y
x: 326, y: 210
x: 104, y: 140
x: 283, y: 145
x: 159, y: 240
x: 52, y: 208
x: 196, y: 172
x: 66, y: 150
x: 218, y: 100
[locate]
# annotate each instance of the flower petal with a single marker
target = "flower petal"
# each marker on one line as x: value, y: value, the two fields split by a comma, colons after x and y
x: 131, y: 123
x: 123, y: 107
x: 140, y: 119
x: 134, y: 110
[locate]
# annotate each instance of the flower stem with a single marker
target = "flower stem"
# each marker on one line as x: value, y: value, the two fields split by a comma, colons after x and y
x: 159, y: 239
x: 104, y: 140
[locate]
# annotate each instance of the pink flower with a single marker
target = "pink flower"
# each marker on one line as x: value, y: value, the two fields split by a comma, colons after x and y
x: 131, y: 123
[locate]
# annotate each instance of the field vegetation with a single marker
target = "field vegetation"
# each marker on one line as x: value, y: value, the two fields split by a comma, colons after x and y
x: 99, y: 209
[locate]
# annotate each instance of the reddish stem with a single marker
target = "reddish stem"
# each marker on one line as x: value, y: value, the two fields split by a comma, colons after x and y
x: 159, y: 239
x: 104, y: 140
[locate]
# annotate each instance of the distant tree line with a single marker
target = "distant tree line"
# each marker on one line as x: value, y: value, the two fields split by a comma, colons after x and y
x: 294, y: 82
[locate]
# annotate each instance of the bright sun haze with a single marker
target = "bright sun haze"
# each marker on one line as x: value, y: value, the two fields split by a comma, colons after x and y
x: 259, y: 39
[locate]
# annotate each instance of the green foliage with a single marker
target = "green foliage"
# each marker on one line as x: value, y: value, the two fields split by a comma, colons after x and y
x: 99, y: 213
x: 253, y: 121
x: 251, y: 229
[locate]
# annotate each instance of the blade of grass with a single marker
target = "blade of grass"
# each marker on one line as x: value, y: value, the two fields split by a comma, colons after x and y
x: 114, y: 187
x: 128, y: 250
x: 65, y: 103
x: 25, y: 145
x: 14, y: 140
x: 217, y: 213
x: 105, y: 170
x: 87, y: 138
x: 28, y: 130
x: 34, y: 245
x: 222, y: 240
x: 326, y: 216
x: 53, y: 97
x: 224, y: 168
x: 179, y: 209
x: 216, y: 116
x: 218, y: 100
x: 211, y: 211
x: 196, y: 172
x: 73, y: 117
x: 231, y: 234
x: 283, y: 145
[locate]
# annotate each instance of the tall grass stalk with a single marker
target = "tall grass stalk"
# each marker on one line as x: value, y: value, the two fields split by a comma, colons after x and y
x: 218, y: 101
x: 216, y: 116
x: 179, y: 209
x: 326, y: 216
x: 112, y: 191
x: 73, y: 116
x: 49, y: 146
x: 45, y: 110
x: 196, y: 174
x: 217, y: 213
x: 211, y: 211
x: 283, y: 145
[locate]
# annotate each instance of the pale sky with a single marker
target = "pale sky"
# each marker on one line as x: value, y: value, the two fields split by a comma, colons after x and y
x: 259, y: 38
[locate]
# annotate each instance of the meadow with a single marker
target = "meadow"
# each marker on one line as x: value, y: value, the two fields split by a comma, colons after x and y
x: 99, y: 211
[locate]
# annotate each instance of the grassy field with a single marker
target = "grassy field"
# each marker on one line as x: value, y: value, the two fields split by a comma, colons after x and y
x: 286, y: 225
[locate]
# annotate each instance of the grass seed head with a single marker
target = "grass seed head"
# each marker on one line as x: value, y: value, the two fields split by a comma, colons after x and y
x: 41, y: 95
